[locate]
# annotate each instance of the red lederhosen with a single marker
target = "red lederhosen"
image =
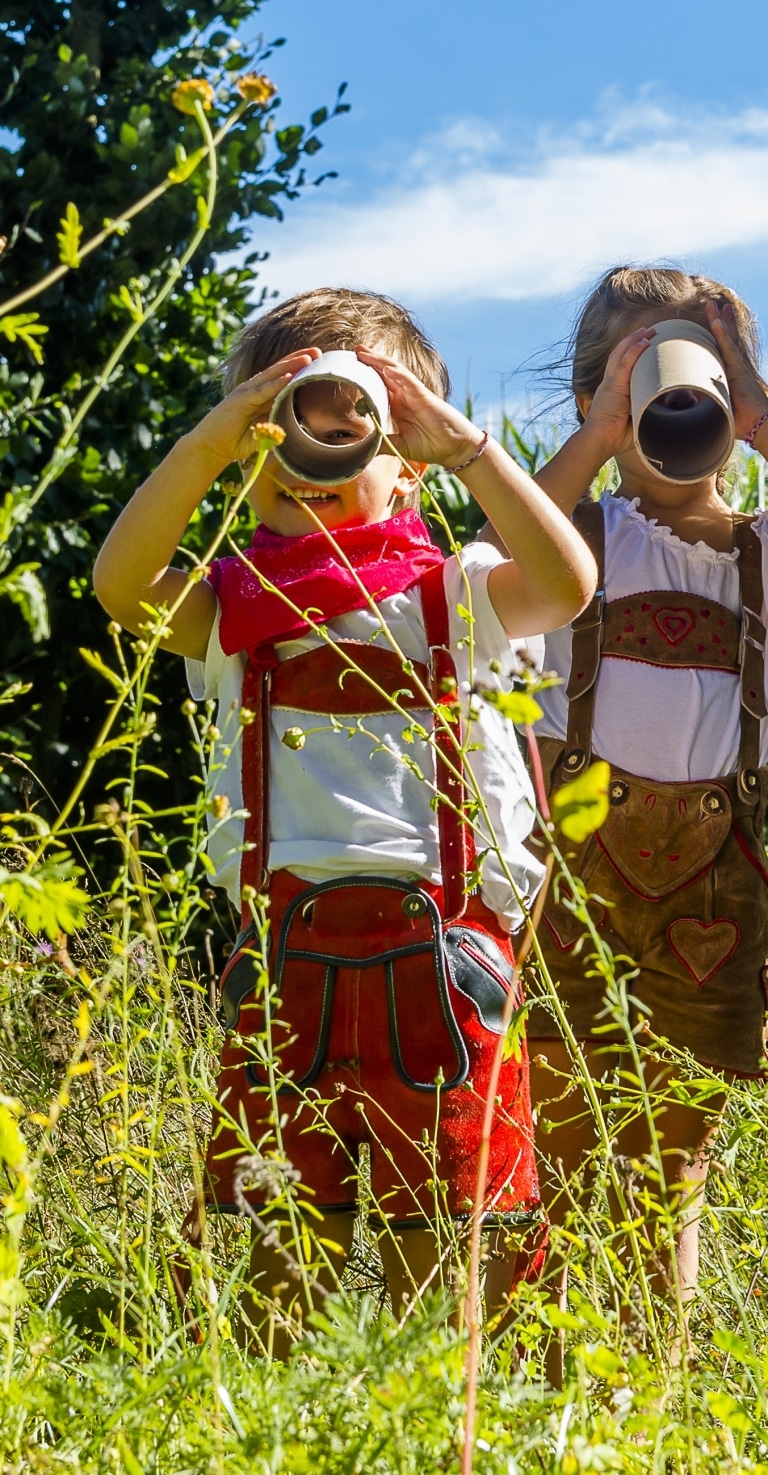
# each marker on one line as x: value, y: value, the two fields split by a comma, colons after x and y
x: 678, y: 871
x: 391, y: 992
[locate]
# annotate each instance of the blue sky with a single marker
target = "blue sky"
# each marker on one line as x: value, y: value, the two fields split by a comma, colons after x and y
x: 497, y: 156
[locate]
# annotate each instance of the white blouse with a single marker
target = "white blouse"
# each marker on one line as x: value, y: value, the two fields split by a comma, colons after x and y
x: 673, y: 724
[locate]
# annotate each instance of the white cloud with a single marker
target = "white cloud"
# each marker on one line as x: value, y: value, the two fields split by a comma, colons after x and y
x: 468, y: 219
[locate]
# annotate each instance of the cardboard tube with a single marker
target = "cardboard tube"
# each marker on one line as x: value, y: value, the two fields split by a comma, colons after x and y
x: 312, y: 460
x: 681, y: 409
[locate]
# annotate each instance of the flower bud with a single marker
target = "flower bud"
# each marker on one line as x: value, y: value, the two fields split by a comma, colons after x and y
x: 294, y: 738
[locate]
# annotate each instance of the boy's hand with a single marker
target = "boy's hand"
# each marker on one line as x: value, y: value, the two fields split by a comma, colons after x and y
x: 428, y: 429
x: 749, y: 399
x: 608, y: 415
x: 225, y: 435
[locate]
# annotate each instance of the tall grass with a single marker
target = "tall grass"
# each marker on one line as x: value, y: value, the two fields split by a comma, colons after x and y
x: 109, y: 1035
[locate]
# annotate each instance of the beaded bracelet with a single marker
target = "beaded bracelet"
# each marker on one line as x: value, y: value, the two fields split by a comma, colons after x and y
x: 749, y: 440
x: 464, y: 464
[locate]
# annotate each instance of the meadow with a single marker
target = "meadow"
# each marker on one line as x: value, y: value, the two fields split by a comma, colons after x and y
x: 111, y: 938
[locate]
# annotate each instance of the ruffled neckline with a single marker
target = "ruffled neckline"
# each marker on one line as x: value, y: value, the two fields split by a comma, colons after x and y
x: 660, y: 533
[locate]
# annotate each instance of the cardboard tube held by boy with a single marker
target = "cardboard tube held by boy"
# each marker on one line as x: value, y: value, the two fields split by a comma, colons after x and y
x: 312, y: 460
x: 681, y: 408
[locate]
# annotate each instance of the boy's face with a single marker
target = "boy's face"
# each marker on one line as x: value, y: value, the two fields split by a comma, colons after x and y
x: 280, y: 499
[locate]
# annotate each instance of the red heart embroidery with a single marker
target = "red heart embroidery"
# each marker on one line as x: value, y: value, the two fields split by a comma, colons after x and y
x: 674, y: 624
x: 702, y: 947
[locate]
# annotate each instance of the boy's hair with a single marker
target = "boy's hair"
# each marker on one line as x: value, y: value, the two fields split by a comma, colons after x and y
x: 336, y: 317
x: 625, y: 293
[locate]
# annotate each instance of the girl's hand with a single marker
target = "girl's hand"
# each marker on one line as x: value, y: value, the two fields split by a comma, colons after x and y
x: 749, y: 399
x: 608, y: 414
x: 428, y: 429
x: 225, y: 435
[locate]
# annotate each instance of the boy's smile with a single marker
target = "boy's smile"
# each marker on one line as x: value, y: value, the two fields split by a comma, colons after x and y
x: 289, y: 506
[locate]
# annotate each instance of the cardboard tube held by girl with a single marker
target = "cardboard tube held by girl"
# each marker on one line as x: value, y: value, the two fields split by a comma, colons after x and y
x: 681, y: 408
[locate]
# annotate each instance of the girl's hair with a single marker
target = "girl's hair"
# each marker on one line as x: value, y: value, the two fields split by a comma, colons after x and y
x: 334, y: 317
x: 621, y: 298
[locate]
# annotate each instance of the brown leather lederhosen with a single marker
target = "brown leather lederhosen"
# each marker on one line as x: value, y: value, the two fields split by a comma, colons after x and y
x: 389, y: 990
x: 678, y: 871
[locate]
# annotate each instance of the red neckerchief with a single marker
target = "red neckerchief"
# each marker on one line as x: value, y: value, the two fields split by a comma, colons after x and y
x: 387, y: 558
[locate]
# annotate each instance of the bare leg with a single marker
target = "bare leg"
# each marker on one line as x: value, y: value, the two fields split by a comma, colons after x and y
x: 410, y: 1259
x: 277, y: 1303
x: 685, y: 1134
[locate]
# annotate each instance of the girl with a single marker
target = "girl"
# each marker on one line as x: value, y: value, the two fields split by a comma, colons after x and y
x: 664, y: 677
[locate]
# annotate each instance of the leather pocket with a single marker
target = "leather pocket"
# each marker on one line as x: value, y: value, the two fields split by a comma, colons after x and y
x: 659, y: 837
x: 480, y: 971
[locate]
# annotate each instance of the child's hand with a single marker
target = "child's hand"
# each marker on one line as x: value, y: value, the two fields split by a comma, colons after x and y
x: 608, y: 415
x: 428, y: 429
x: 225, y: 435
x: 749, y: 399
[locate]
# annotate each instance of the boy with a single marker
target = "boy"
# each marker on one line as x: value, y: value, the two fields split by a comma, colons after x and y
x: 361, y: 862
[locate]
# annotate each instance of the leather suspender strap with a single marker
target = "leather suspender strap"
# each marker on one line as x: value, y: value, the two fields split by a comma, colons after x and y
x: 588, y: 519
x: 457, y: 853
x: 255, y: 767
x: 456, y: 842
x: 751, y: 662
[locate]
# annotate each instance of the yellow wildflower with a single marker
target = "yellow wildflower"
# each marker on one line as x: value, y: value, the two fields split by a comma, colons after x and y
x: 267, y: 433
x: 194, y: 89
x: 255, y: 87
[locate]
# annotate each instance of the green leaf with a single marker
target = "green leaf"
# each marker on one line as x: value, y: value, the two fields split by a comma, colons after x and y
x: 13, y: 1148
x: 131, y: 301
x: 46, y: 899
x: 731, y: 1413
x: 94, y: 660
x: 185, y: 165
x: 27, y: 327
x: 513, y: 1039
x: 69, y: 236
x: 581, y: 807
x: 602, y: 1362
x: 517, y: 706
x: 23, y: 587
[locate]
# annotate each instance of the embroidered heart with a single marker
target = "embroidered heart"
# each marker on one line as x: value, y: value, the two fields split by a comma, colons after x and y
x: 702, y: 947
x: 674, y: 624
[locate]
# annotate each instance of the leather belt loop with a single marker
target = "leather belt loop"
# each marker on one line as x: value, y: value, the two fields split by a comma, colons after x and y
x: 751, y: 663
x: 588, y: 627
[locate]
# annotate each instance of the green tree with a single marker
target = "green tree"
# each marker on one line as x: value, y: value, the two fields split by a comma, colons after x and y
x: 85, y: 105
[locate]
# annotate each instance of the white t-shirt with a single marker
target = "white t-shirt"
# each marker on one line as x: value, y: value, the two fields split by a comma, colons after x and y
x: 346, y: 805
x: 674, y: 724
